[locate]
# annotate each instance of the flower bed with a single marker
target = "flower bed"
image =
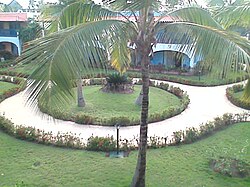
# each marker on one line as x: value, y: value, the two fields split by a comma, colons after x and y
x: 95, y: 143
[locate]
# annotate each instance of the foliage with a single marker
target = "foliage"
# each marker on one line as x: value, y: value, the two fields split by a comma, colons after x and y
x: 18, y: 85
x: 6, y: 55
x: 192, y: 134
x: 30, y: 32
x: 31, y: 163
x: 231, y: 167
x: 101, y: 143
x: 236, y: 100
x: 117, y: 82
x: 117, y: 78
x: 96, y: 143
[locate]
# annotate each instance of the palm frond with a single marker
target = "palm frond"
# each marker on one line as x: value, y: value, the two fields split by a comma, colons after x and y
x: 194, y: 15
x: 221, y: 50
x: 81, y: 12
x: 135, y: 5
x: 235, y: 15
x: 64, y: 55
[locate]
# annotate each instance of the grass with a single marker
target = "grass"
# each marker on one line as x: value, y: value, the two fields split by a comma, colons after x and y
x: 187, y: 165
x: 104, y: 106
x: 4, y: 86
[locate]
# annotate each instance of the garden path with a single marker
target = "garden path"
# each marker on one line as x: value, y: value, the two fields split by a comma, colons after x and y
x: 206, y: 103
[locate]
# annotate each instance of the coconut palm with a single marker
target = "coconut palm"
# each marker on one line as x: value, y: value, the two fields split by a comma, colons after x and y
x: 50, y: 14
x: 101, y: 33
x: 234, y: 13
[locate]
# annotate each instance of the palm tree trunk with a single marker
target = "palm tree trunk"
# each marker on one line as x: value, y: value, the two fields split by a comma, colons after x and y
x: 80, y: 98
x: 140, y: 171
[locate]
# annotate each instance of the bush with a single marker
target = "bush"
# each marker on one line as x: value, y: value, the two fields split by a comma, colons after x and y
x: 6, y: 55
x: 230, y: 167
x: 230, y: 93
x: 96, y: 143
x: 191, y: 135
x: 84, y: 119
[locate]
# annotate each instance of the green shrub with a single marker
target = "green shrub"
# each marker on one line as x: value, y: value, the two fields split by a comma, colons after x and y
x: 121, y: 120
x: 231, y: 167
x: 96, y: 143
x: 191, y: 135
x: 177, y: 137
x: 235, y: 100
x: 6, y: 125
x: 6, y: 55
x: 84, y: 119
x: 206, y: 129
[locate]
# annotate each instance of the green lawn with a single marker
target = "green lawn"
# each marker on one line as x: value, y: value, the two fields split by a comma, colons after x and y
x: 103, y: 106
x: 4, y: 86
x: 187, y: 165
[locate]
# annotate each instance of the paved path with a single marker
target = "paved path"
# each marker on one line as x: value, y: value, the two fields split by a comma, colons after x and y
x: 206, y: 104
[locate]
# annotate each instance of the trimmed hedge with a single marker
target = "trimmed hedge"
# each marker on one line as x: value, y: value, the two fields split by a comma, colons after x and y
x: 18, y: 81
x: 95, y: 143
x: 230, y: 93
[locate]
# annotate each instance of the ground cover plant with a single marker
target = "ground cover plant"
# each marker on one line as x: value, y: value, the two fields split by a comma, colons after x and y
x: 112, y: 108
x: 185, y: 165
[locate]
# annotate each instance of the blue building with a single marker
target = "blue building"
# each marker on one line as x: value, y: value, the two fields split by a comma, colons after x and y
x: 10, y: 25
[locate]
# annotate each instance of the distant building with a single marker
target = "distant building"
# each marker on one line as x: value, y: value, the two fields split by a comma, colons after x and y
x: 10, y: 25
x: 14, y: 6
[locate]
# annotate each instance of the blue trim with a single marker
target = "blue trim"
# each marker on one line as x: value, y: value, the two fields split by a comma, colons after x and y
x: 8, y: 32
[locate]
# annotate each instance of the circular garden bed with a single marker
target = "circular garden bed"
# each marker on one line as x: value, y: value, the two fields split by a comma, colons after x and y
x: 115, y: 108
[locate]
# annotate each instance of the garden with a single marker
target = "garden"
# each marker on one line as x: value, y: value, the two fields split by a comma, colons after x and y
x: 160, y: 80
x: 199, y: 158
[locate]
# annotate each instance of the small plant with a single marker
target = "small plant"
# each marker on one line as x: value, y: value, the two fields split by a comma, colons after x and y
x: 119, y: 83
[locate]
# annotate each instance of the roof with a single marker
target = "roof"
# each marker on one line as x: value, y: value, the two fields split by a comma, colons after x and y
x: 13, y: 16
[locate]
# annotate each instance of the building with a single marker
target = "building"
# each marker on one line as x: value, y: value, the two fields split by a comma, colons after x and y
x: 10, y: 25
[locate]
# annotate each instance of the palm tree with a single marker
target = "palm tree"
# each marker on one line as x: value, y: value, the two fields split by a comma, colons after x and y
x: 99, y: 34
x: 50, y: 13
x: 234, y: 13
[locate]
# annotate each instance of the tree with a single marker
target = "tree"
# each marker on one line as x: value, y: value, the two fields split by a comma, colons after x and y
x: 50, y: 13
x: 99, y: 34
x: 234, y: 13
x: 30, y: 32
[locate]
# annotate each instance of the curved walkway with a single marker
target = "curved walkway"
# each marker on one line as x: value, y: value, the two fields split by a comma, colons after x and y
x: 206, y: 103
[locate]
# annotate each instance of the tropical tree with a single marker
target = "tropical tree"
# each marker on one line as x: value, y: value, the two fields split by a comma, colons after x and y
x: 98, y: 33
x: 51, y: 13
x: 234, y: 13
